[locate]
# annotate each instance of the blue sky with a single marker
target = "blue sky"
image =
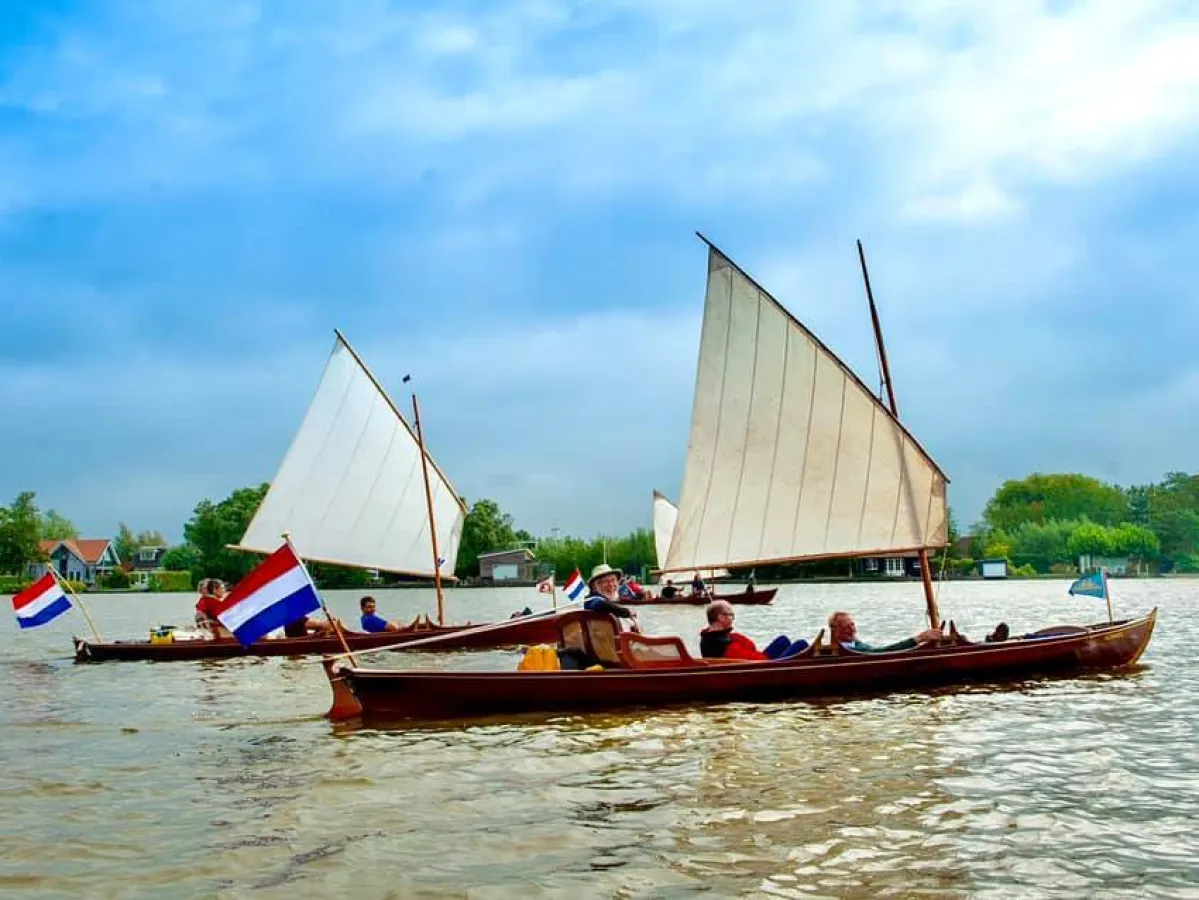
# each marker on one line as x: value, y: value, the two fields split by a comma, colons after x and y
x: 501, y: 199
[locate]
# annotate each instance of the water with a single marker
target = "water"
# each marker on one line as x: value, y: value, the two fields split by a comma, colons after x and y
x: 224, y: 779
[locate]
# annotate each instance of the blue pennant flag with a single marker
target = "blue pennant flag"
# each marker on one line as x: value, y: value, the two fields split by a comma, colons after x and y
x: 1091, y: 585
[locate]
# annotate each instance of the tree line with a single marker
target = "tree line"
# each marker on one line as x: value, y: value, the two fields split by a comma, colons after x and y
x: 1042, y: 523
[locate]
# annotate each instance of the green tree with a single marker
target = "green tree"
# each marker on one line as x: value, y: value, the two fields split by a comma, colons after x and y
x: 338, y: 577
x: 55, y: 527
x: 117, y: 578
x: 181, y: 558
x: 1138, y: 506
x: 1042, y: 545
x: 20, y: 534
x: 125, y: 543
x: 1173, y: 514
x: 1091, y: 539
x: 151, y: 539
x: 213, y: 525
x: 486, y: 528
x: 632, y: 552
x: 1135, y: 541
x: 1042, y: 498
x: 999, y: 545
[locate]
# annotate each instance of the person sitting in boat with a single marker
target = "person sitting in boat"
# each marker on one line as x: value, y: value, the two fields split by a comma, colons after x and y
x: 304, y: 626
x: 719, y: 641
x: 604, y: 585
x: 698, y: 588
x: 630, y: 589
x: 669, y: 591
x: 212, y: 597
x: 373, y: 622
x: 752, y: 584
x: 844, y: 631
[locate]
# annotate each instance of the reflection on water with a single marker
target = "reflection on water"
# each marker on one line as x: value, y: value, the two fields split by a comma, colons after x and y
x: 223, y: 778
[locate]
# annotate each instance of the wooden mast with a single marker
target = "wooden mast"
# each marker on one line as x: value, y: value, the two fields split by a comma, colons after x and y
x: 930, y: 598
x: 424, y: 461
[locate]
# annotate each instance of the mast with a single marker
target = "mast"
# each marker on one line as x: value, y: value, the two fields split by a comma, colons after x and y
x: 930, y: 599
x: 424, y: 459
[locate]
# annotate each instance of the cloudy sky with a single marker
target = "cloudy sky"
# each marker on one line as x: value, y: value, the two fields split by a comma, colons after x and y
x: 501, y: 198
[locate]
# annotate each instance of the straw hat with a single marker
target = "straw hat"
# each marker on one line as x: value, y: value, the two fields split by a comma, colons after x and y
x: 601, y: 570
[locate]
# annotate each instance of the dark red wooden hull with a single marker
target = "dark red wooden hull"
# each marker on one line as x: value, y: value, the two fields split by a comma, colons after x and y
x: 752, y: 598
x: 524, y: 630
x: 425, y: 694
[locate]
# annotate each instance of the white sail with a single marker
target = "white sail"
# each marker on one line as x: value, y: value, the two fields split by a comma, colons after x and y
x: 351, y: 488
x: 791, y: 457
x: 665, y: 516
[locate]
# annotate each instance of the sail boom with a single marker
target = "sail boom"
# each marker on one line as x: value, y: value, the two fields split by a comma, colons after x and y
x: 424, y: 573
x: 782, y: 560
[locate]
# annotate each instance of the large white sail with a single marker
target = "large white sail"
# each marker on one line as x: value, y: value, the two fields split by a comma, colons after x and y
x: 665, y: 516
x: 791, y: 457
x: 351, y: 488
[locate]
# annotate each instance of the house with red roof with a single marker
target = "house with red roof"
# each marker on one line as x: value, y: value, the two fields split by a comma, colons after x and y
x: 83, y: 559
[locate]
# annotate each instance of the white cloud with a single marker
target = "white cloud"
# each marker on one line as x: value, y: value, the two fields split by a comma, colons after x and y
x: 980, y: 199
x: 968, y: 107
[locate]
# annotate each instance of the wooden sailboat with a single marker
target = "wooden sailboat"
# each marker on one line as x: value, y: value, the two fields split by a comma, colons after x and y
x: 791, y: 457
x: 356, y: 488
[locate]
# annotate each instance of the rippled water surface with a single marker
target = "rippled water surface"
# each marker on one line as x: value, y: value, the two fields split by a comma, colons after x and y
x: 224, y: 779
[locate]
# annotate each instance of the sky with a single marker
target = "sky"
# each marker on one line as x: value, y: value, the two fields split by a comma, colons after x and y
x: 501, y: 199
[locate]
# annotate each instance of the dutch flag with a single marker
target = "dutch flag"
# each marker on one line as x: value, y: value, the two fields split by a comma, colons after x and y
x: 40, y: 602
x: 575, y: 587
x: 275, y: 594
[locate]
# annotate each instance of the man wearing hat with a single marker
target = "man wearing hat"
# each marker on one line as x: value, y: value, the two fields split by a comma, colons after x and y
x: 604, y: 585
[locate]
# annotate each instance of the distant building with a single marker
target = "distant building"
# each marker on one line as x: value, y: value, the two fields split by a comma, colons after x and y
x: 1114, y: 565
x: 892, y: 565
x: 148, y: 559
x: 85, y: 560
x: 992, y: 568
x: 508, y: 566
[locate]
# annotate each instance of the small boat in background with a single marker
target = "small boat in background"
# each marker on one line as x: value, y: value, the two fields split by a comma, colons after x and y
x: 747, y: 597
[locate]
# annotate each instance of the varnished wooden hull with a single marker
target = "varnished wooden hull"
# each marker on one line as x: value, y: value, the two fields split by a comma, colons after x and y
x: 425, y: 694
x: 524, y: 630
x: 751, y: 598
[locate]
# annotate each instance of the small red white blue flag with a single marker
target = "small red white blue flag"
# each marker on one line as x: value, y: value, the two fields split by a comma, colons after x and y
x: 275, y: 594
x: 575, y: 586
x: 40, y: 602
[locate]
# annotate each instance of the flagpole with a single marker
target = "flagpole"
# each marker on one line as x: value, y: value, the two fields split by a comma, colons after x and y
x: 554, y: 591
x: 345, y: 645
x: 65, y: 585
x: 424, y: 462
